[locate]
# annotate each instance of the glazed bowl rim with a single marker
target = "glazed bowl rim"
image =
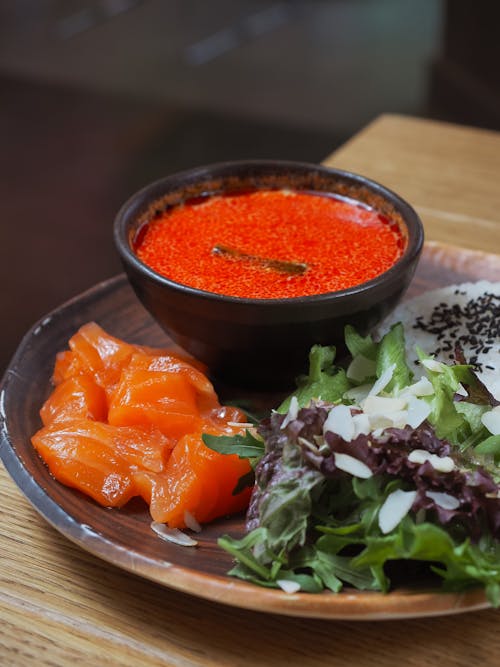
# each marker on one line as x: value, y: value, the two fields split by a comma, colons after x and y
x: 123, y: 220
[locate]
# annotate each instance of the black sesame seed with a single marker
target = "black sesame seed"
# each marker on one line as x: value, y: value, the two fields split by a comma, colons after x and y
x: 474, y: 325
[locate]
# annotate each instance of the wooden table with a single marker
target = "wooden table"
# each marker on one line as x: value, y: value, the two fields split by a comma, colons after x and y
x: 59, y: 604
x: 449, y: 173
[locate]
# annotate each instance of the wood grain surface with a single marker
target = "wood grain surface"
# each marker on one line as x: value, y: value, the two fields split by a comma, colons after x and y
x: 59, y: 603
x: 448, y: 173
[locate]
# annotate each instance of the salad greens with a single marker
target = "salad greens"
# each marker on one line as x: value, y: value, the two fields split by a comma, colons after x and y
x: 368, y: 477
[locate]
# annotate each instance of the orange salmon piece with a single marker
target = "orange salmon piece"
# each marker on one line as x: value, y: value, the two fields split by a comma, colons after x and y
x: 196, y: 480
x: 99, y: 459
x: 162, y: 391
x: 77, y: 397
x: 66, y: 366
x: 95, y: 352
x: 100, y: 354
x: 182, y: 487
x: 126, y: 420
x: 143, y: 447
x: 227, y: 469
x: 80, y: 454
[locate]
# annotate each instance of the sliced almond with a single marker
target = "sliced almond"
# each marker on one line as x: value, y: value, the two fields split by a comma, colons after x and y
x: 353, y: 466
x: 288, y: 586
x: 418, y: 411
x: 362, y: 424
x: 293, y: 411
x: 383, y: 405
x: 444, y: 500
x: 491, y: 420
x: 340, y: 422
x: 383, y: 380
x: 191, y: 522
x: 172, y: 535
x: 394, y: 509
x: 394, y: 420
x: 439, y: 463
x: 422, y: 387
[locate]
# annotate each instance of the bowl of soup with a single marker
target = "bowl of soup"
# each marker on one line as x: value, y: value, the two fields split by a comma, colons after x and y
x: 246, y: 265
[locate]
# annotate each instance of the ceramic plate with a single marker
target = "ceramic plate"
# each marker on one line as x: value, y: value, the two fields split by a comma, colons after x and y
x: 124, y: 537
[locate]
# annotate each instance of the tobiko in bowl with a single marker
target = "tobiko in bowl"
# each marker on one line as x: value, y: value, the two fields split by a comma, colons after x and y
x: 246, y: 265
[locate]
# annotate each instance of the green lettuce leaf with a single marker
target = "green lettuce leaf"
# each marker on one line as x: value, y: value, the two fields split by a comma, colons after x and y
x: 490, y: 447
x: 324, y: 533
x: 391, y: 351
x: 359, y: 345
x: 325, y: 381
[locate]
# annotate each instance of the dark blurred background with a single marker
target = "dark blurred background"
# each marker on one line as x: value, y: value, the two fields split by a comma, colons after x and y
x: 100, y: 97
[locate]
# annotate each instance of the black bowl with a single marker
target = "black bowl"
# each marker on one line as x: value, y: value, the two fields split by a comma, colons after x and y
x: 263, y: 343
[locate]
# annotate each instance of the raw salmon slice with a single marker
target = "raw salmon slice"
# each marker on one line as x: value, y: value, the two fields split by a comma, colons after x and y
x: 143, y: 447
x: 196, y: 480
x: 127, y: 420
x: 99, y: 459
x: 227, y: 469
x: 77, y: 397
x: 94, y: 352
x: 162, y: 391
x: 80, y: 454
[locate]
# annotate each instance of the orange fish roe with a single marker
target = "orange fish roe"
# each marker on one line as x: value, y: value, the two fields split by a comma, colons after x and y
x: 343, y: 243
